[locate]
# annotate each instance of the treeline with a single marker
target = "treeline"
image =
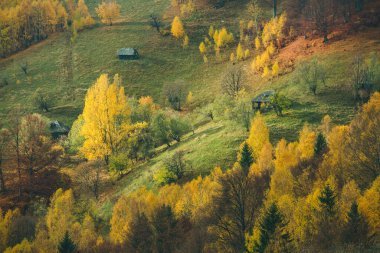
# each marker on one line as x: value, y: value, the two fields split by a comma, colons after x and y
x: 317, y: 194
x: 26, y: 22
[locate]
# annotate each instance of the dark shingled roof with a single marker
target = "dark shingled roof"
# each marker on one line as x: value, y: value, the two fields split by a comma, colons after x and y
x: 264, y: 97
x: 126, y: 51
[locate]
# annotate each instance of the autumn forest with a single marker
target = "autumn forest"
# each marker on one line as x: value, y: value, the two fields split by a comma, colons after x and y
x: 168, y: 126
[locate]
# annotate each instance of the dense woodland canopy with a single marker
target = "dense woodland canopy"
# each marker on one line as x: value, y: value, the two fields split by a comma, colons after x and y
x: 317, y: 192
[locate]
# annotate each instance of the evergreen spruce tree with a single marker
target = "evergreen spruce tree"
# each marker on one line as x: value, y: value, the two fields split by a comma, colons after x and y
x: 246, y: 159
x: 320, y: 145
x: 327, y: 200
x: 356, y: 228
x: 327, y: 220
x: 66, y: 245
x: 141, y: 235
x: 166, y: 230
x: 272, y: 232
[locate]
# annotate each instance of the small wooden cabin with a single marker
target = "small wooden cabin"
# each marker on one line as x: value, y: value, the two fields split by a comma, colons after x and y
x: 58, y: 129
x: 127, y: 54
x: 263, y: 99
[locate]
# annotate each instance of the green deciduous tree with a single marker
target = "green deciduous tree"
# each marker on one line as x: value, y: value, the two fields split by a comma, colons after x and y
x: 313, y: 75
x: 279, y: 103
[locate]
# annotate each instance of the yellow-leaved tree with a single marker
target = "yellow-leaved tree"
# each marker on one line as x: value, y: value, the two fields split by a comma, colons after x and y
x: 239, y: 53
x: 82, y: 17
x: 106, y: 118
x: 24, y: 247
x: 350, y: 193
x: 126, y: 208
x: 108, y: 11
x: 178, y: 31
x: 257, y: 43
x: 202, y: 48
x: 369, y: 206
x: 185, y: 43
x: 60, y: 217
x: 6, y: 222
x: 282, y: 180
x: 275, y: 69
x: 258, y: 135
x: 306, y: 144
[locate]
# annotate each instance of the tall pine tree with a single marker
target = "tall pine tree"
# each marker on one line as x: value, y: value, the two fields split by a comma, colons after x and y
x: 66, y: 245
x: 273, y: 237
x: 327, y: 220
x: 356, y: 229
x: 141, y: 235
x: 327, y: 201
x: 167, y: 232
x: 246, y: 158
x: 320, y: 145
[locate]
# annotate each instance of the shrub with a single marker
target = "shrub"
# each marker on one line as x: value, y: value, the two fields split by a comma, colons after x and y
x: 174, y: 169
x: 279, y: 103
x: 3, y: 82
x: 119, y: 163
x: 42, y: 101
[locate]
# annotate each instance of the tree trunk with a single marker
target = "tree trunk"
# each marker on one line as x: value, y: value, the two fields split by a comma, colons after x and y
x: 96, y: 186
x: 2, y: 181
x: 30, y: 170
x: 274, y: 8
x: 19, y: 173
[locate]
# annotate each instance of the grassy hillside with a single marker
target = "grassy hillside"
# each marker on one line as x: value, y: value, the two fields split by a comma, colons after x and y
x: 162, y: 60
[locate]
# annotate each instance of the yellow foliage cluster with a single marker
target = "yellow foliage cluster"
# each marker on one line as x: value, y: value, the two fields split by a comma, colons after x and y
x: 275, y: 69
x: 187, y: 8
x: 146, y: 100
x: 193, y: 198
x: 369, y: 206
x: 108, y: 11
x: 177, y: 29
x: 189, y: 98
x: 222, y: 38
x: 24, y: 247
x: 257, y: 43
x: 106, y: 118
x: 217, y: 40
x: 241, y: 54
x: 59, y: 217
x: 126, y: 208
x: 262, y: 62
x: 185, y: 43
x: 6, y: 221
x: 202, y: 48
x: 82, y: 17
x: 25, y: 21
x: 274, y: 30
x: 258, y: 135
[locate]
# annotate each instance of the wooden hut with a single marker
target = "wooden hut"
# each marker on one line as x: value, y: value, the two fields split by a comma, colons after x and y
x: 127, y: 54
x: 264, y: 99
